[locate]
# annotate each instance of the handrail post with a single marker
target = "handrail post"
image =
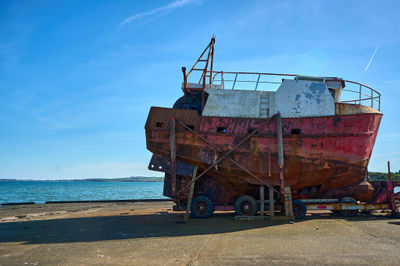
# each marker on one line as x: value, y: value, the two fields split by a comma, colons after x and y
x: 258, y: 79
x: 234, y: 82
x: 222, y: 80
x: 372, y: 98
x: 359, y: 95
x: 379, y: 106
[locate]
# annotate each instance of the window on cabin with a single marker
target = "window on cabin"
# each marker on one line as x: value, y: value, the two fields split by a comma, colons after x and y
x: 190, y: 126
x: 221, y: 129
x: 295, y: 131
x: 251, y: 129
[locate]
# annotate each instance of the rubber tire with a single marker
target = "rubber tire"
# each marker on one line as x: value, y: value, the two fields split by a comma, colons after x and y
x: 299, y: 209
x: 348, y: 213
x: 204, y: 201
x: 249, y: 200
x: 396, y: 214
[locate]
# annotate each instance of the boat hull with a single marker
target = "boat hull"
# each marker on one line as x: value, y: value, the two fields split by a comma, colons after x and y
x: 321, y: 154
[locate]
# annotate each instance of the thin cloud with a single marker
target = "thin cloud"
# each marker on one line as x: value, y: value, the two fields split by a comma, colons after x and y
x: 169, y: 7
x: 372, y: 57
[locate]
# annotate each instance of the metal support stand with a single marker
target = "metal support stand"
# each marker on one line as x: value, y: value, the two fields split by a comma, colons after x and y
x: 285, y: 190
x: 262, y: 200
x: 191, y: 192
x: 390, y: 188
x: 172, y: 144
x: 271, y: 203
x: 288, y: 204
x: 280, y: 150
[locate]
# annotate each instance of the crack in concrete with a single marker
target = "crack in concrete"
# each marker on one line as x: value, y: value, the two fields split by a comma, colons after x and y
x: 200, y: 251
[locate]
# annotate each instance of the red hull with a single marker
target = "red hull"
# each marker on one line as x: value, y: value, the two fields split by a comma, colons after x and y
x: 322, y: 155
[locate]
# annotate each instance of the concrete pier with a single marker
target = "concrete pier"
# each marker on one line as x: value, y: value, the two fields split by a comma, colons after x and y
x: 149, y: 233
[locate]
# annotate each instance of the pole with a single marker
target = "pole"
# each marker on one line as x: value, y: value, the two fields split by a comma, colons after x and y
x: 262, y: 200
x: 173, y: 154
x: 189, y: 202
x: 271, y: 203
x: 390, y: 189
x: 280, y: 150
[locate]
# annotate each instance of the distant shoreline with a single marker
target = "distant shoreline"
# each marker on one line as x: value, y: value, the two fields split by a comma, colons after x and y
x: 373, y: 176
x: 123, y: 179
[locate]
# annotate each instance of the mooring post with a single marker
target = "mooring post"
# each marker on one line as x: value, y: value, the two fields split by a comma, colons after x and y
x: 191, y: 192
x: 271, y: 202
x: 262, y: 200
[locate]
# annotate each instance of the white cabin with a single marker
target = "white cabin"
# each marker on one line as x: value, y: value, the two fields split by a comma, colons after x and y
x: 294, y: 98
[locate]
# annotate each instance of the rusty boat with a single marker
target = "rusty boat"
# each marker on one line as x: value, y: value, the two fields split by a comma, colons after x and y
x: 232, y: 132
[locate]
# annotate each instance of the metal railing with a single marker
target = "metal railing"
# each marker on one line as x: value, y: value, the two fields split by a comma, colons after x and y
x: 366, y: 95
x: 354, y: 92
x: 233, y: 80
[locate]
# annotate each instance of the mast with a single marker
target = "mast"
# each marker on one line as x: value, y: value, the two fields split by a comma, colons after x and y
x: 207, y: 59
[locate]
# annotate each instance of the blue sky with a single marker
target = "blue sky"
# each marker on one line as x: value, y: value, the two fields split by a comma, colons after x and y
x: 77, y: 78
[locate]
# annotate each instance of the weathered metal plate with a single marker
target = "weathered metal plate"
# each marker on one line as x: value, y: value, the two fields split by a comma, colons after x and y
x: 163, y: 164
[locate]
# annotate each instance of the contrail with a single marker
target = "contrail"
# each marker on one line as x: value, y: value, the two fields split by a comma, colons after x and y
x: 170, y: 6
x: 372, y: 57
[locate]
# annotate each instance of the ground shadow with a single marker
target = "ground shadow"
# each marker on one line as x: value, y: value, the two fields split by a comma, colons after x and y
x: 163, y: 224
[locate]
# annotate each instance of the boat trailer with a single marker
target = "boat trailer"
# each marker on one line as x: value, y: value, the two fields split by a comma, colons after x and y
x: 385, y: 199
x: 202, y: 207
x: 247, y: 207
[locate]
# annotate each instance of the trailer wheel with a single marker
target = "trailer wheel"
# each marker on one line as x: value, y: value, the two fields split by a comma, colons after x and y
x: 201, y: 207
x: 299, y: 209
x: 348, y: 213
x: 397, y: 211
x: 246, y: 206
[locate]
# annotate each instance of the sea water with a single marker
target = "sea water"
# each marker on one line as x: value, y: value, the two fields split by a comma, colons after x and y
x: 42, y: 191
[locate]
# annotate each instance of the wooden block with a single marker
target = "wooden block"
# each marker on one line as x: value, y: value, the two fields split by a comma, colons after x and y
x: 288, y: 201
x: 282, y: 218
x: 251, y: 218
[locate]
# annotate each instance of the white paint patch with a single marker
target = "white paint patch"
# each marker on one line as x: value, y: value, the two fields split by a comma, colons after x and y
x: 294, y: 98
x: 300, y: 98
x: 232, y: 103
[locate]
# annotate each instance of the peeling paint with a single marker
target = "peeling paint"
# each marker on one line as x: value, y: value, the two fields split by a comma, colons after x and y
x: 300, y: 98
